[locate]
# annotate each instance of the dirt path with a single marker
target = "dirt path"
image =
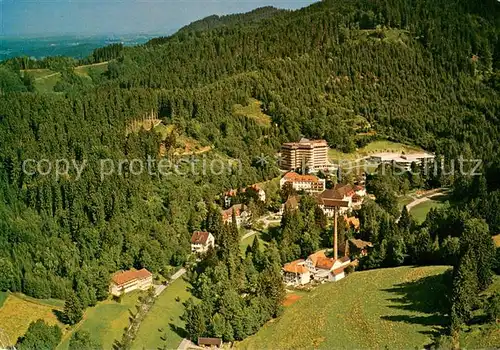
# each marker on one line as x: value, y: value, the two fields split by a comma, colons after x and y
x: 47, y: 76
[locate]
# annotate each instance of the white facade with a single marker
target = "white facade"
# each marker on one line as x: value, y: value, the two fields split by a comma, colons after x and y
x: 304, y: 185
x: 294, y: 279
x: 129, y: 286
x: 336, y: 277
x: 203, y: 247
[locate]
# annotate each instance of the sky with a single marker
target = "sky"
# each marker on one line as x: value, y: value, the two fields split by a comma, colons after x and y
x: 89, y: 17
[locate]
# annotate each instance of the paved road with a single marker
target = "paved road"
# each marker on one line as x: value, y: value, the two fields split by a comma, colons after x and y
x: 425, y: 198
x: 159, y: 288
x: 178, y: 274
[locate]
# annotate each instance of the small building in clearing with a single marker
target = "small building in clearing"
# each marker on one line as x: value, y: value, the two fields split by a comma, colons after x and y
x: 201, y: 241
x: 210, y: 342
x: 128, y: 281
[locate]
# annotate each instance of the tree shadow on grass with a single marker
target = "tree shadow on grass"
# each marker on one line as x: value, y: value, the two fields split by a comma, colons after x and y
x: 271, y: 233
x: 181, y: 332
x: 429, y: 296
x: 61, y: 317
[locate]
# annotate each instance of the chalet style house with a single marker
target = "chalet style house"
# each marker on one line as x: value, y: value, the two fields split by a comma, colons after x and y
x: 128, y: 281
x: 242, y: 214
x: 201, y: 242
x: 342, y: 198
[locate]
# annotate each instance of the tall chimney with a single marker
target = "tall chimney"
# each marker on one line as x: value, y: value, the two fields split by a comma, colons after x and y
x: 335, y: 243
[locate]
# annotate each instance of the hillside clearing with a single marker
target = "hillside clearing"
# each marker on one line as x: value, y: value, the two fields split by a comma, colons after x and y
x: 106, y: 321
x: 253, y: 110
x: 162, y: 326
x: 397, y: 308
x: 18, y: 311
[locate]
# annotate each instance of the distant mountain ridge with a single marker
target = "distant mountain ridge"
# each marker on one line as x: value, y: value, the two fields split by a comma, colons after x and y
x: 228, y: 21
x: 215, y: 21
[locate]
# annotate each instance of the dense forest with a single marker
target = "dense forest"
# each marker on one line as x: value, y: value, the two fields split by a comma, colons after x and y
x: 423, y: 72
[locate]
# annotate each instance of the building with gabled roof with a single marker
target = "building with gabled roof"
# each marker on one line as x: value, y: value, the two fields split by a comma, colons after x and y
x: 307, y: 183
x: 202, y: 241
x: 128, y: 281
x: 295, y: 273
x: 241, y: 213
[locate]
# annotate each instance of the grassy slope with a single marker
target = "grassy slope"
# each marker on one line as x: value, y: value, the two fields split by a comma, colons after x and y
x: 249, y: 241
x: 98, y: 67
x: 254, y: 111
x: 46, y: 79
x: 106, y: 321
x: 18, y: 311
x: 163, y: 320
x: 419, y: 212
x: 394, y: 308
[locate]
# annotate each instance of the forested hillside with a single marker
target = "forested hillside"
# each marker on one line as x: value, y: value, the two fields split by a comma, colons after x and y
x: 425, y: 72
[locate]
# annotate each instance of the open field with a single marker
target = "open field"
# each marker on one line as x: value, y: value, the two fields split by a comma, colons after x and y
x: 419, y: 212
x: 18, y: 311
x: 373, y: 147
x: 83, y: 71
x: 254, y: 111
x: 398, y: 308
x: 46, y: 79
x: 162, y: 326
x: 249, y: 241
x: 106, y: 321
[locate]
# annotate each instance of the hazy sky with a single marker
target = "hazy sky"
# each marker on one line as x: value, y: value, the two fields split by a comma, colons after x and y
x: 45, y: 17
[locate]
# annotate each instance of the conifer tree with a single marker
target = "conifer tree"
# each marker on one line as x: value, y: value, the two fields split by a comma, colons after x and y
x: 73, y: 310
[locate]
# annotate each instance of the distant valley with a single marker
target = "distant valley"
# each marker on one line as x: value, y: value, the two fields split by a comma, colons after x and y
x: 76, y: 46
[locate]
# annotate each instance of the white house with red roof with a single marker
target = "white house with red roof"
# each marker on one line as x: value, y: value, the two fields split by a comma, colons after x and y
x: 295, y: 273
x: 201, y: 241
x: 308, y: 183
x: 128, y: 281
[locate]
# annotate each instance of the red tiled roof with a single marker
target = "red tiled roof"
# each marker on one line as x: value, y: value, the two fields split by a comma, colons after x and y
x: 325, y: 263
x: 130, y: 275
x: 315, y: 256
x: 228, y: 212
x: 344, y: 190
x: 338, y: 271
x: 199, y: 237
x: 294, y: 177
x: 295, y: 267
